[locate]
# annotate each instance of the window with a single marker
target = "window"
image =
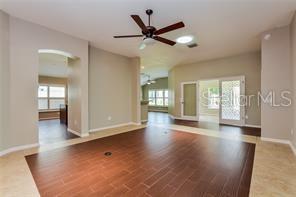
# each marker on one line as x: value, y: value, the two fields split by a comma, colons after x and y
x: 213, y: 98
x: 51, y: 97
x: 158, y: 97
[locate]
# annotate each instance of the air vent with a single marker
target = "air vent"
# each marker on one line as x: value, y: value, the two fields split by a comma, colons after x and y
x: 192, y: 45
x: 107, y: 153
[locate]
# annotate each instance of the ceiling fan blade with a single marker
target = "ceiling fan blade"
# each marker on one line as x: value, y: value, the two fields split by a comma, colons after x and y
x: 164, y: 40
x: 139, y: 21
x: 169, y: 28
x: 128, y: 36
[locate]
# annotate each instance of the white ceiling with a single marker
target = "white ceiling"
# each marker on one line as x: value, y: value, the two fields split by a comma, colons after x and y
x: 221, y: 27
x: 53, y: 65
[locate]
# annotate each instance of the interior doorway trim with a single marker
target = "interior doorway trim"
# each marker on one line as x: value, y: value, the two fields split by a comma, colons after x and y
x: 184, y: 117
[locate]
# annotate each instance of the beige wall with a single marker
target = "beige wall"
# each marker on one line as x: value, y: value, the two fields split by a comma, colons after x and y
x: 161, y: 83
x: 293, y: 58
x: 203, y: 97
x: 114, y: 81
x: 111, y: 93
x: 248, y: 64
x: 277, y: 77
x: 52, y: 80
x: 4, y: 79
x: 172, y: 90
x: 74, y: 95
x: 136, y: 90
x: 25, y: 40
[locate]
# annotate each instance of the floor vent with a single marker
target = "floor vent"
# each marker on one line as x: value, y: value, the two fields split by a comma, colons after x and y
x: 107, y: 153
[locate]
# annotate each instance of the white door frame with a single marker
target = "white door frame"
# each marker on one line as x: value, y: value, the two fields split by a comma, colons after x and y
x: 240, y: 122
x: 195, y: 118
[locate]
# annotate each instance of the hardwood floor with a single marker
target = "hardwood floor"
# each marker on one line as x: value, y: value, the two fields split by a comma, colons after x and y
x: 163, y: 118
x: 146, y: 162
x: 52, y: 131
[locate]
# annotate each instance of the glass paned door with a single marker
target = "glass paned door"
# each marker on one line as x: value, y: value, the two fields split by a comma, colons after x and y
x: 232, y: 110
x: 189, y: 100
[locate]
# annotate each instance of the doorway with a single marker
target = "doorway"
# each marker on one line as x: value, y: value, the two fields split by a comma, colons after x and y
x: 232, y: 110
x: 209, y: 100
x: 215, y: 100
x: 53, y: 94
x: 189, y: 100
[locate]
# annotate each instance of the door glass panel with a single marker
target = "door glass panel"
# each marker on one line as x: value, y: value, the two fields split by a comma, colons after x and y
x: 230, y: 102
x: 189, y: 99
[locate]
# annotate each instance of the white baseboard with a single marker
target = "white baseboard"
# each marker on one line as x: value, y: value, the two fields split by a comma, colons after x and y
x: 293, y: 148
x: 113, y: 126
x: 252, y: 126
x: 157, y: 110
x: 18, y: 148
x: 280, y: 141
x: 77, y: 133
x: 135, y: 123
x: 275, y: 140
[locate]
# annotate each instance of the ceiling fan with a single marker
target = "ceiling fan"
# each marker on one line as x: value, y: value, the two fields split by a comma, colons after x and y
x: 150, y: 33
x: 149, y: 81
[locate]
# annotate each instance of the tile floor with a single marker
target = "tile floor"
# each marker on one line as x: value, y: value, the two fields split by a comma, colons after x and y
x: 273, y: 171
x: 51, y: 131
x: 151, y: 161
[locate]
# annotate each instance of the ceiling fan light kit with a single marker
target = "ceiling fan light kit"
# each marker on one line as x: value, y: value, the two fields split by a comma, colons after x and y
x: 149, y: 41
x: 150, y: 33
x: 142, y: 46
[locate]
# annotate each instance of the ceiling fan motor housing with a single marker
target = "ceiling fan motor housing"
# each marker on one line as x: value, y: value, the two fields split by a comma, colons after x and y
x: 149, y: 12
x: 150, y: 31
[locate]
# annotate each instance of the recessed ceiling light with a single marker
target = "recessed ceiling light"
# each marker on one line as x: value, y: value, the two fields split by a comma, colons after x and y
x: 142, y: 67
x: 184, y: 39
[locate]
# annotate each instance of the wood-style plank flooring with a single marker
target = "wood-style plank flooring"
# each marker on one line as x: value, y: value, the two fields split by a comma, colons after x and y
x: 53, y: 131
x: 163, y: 118
x: 146, y: 162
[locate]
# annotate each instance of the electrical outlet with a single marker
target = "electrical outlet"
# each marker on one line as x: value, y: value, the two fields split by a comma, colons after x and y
x: 109, y: 118
x: 292, y: 132
x: 247, y: 116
